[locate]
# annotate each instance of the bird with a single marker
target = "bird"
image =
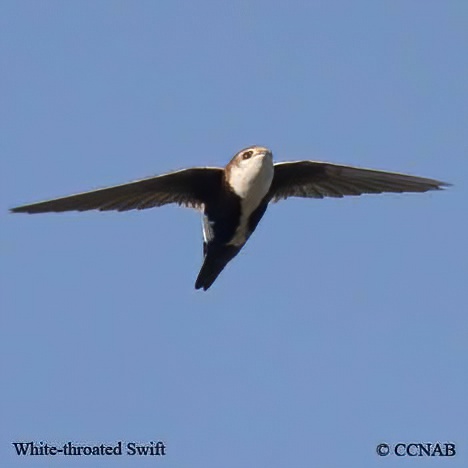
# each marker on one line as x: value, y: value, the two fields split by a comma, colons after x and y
x: 233, y: 199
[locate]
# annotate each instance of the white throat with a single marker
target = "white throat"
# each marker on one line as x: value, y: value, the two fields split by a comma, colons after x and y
x: 252, y: 178
x: 251, y: 181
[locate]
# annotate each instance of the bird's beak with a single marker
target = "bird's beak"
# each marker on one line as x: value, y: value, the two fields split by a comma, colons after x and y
x: 265, y: 153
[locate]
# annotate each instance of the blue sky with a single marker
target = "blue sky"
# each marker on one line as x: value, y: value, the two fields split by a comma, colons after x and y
x: 342, y: 324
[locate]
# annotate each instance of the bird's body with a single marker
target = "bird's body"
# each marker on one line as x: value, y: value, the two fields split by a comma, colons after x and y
x: 234, y: 199
x: 232, y: 216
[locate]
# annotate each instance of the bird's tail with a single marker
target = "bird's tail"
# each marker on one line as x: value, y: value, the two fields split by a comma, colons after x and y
x: 216, y: 258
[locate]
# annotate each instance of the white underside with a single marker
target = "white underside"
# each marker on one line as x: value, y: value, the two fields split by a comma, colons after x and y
x: 207, y: 229
x: 251, y: 183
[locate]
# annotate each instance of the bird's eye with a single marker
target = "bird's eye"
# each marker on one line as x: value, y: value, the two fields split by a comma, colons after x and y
x: 247, y: 155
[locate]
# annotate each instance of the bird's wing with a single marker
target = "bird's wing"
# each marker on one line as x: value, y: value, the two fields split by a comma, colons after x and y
x: 189, y: 187
x: 310, y: 179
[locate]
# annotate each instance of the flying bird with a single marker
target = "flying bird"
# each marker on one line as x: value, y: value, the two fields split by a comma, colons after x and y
x: 233, y: 199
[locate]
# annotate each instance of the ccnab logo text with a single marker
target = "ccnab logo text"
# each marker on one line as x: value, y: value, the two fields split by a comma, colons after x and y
x: 415, y: 449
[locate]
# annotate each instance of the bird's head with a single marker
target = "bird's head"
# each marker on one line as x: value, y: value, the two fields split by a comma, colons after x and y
x: 250, y: 166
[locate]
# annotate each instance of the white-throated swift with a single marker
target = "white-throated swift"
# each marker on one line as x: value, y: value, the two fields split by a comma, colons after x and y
x: 234, y: 199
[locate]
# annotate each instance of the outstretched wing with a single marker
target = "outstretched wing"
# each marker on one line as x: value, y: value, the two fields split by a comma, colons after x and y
x: 188, y: 187
x: 310, y: 179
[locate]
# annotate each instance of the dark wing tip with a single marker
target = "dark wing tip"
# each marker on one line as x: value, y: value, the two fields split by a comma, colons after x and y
x: 443, y: 185
x: 38, y: 208
x: 20, y: 209
x: 437, y: 185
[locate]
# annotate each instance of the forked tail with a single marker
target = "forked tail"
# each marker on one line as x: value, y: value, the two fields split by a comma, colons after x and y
x: 216, y: 258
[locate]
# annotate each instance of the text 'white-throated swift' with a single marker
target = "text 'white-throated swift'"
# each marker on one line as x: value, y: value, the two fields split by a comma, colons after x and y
x: 234, y: 199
